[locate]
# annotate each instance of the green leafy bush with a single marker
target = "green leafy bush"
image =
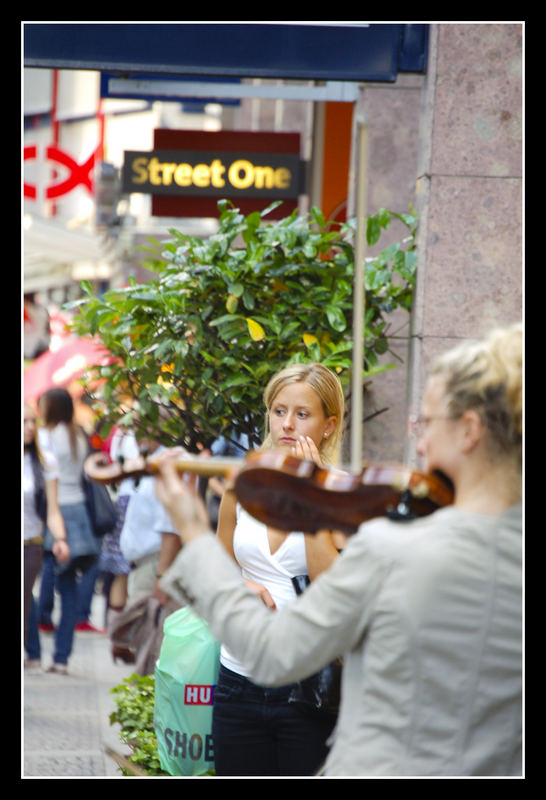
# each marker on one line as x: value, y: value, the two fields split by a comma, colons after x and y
x: 135, y: 715
x: 197, y: 344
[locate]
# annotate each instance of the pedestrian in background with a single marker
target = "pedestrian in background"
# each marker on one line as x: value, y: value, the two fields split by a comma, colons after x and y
x: 40, y: 507
x: 69, y: 445
x: 121, y: 445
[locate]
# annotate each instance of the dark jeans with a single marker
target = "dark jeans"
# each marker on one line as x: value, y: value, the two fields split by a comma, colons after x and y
x: 32, y: 564
x: 85, y: 591
x: 257, y: 732
x: 32, y: 638
x: 66, y: 585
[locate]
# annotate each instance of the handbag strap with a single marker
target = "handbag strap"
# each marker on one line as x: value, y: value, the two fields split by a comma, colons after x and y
x: 300, y: 583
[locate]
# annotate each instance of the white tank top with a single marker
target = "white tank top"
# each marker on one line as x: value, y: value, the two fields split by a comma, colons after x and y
x: 272, y: 570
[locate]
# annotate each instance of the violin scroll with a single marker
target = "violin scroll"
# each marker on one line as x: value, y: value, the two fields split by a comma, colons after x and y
x: 98, y: 467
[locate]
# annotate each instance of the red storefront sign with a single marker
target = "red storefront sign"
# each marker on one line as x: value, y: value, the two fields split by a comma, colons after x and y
x: 78, y: 174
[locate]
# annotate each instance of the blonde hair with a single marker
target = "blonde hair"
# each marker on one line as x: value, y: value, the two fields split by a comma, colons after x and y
x: 328, y: 388
x: 486, y: 376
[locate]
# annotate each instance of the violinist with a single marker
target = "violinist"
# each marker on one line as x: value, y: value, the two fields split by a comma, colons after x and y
x: 427, y: 613
x: 304, y: 417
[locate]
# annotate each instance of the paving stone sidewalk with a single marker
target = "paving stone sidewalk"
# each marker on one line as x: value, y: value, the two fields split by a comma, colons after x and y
x: 65, y: 718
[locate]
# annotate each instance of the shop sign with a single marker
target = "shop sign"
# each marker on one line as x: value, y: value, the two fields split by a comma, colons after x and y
x: 76, y: 174
x: 330, y: 51
x: 210, y: 173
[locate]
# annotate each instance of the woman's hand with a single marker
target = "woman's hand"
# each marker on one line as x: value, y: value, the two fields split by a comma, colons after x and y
x: 262, y: 593
x: 161, y: 596
x: 179, y: 496
x: 307, y: 449
x: 61, y: 551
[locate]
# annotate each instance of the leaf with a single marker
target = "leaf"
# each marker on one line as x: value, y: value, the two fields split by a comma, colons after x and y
x: 318, y: 216
x: 236, y: 289
x: 288, y: 330
x: 336, y: 318
x: 234, y: 380
x: 373, y: 230
x: 223, y: 319
x: 231, y: 303
x: 270, y: 208
x: 309, y: 250
x: 248, y: 300
x: 255, y: 329
x: 381, y: 345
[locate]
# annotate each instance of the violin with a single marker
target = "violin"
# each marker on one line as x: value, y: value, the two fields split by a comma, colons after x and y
x: 293, y: 494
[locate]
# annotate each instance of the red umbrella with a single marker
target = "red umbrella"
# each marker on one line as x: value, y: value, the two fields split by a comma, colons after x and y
x: 61, y: 367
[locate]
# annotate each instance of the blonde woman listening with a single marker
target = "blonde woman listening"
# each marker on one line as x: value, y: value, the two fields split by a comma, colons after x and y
x: 256, y: 731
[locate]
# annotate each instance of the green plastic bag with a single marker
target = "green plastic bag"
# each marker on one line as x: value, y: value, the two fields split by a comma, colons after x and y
x: 185, y: 677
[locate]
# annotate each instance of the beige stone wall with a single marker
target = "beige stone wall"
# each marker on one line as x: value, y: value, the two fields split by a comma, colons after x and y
x: 392, y: 114
x: 469, y: 192
x: 450, y: 143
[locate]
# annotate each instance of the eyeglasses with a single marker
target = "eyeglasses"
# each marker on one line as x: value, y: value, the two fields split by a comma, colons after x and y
x: 420, y: 424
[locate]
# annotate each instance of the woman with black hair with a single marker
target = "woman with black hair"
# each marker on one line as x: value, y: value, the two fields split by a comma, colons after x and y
x: 65, y: 439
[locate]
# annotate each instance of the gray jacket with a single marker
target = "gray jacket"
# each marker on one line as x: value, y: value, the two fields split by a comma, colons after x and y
x: 427, y: 615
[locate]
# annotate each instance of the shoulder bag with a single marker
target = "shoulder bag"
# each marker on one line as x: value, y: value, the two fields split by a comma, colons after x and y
x: 101, y: 509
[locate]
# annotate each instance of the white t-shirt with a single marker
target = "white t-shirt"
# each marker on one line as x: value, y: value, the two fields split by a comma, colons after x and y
x: 145, y: 520
x: 139, y: 537
x: 57, y: 441
x: 258, y: 564
x: 124, y: 444
x: 32, y: 524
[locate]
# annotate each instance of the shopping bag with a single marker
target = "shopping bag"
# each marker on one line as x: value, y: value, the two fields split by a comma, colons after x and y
x: 185, y: 678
